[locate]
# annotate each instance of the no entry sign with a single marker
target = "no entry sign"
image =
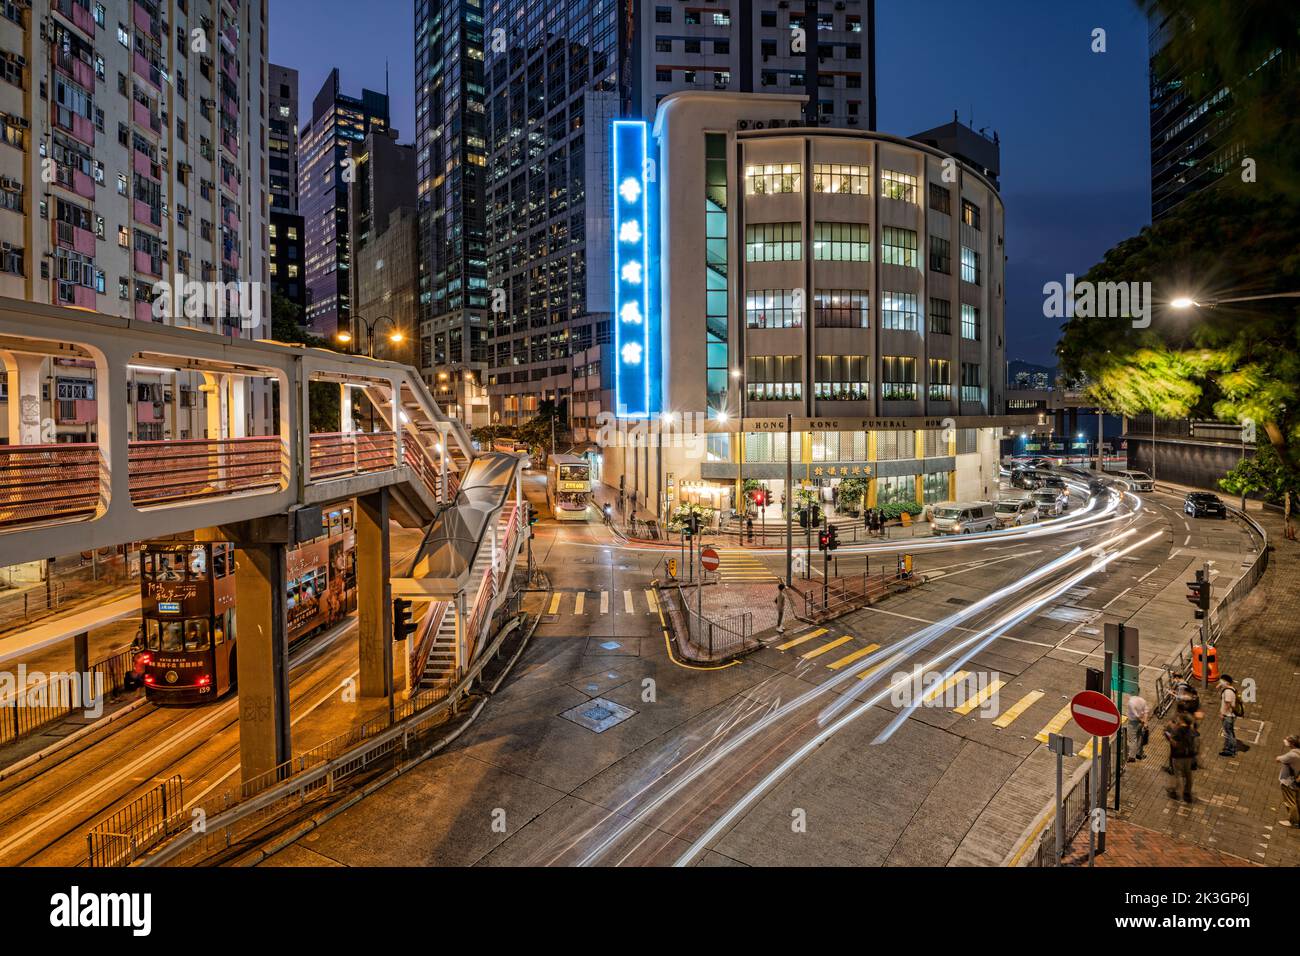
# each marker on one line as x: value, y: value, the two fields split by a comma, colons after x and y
x: 709, y: 559
x: 1095, y: 713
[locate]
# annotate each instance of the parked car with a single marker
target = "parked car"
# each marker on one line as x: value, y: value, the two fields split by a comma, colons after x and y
x: 1025, y: 478
x: 1051, y: 503
x: 1200, y: 503
x: 1016, y: 511
x: 1137, y: 480
x: 962, y: 517
x: 1053, y: 481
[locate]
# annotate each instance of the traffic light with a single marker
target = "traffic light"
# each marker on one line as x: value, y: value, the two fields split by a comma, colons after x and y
x: 692, y: 525
x: 1198, y: 593
x: 832, y: 538
x: 403, y: 626
x: 823, y: 539
x: 531, y: 514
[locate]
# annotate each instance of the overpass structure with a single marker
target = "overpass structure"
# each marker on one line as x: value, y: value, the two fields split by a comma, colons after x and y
x: 260, y: 481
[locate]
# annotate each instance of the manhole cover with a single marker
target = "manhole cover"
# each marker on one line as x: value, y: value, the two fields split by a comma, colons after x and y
x: 598, y: 714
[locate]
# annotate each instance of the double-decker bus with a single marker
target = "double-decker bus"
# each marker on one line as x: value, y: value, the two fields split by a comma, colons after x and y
x: 188, y: 607
x: 568, y: 487
x: 511, y: 446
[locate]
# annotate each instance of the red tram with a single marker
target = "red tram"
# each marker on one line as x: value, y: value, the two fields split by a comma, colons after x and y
x: 188, y: 607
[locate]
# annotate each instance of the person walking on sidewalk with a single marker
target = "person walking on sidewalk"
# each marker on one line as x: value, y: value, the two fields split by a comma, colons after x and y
x: 1230, y: 708
x: 1289, y: 778
x: 1139, y: 715
x: 780, y: 607
x: 1182, y: 756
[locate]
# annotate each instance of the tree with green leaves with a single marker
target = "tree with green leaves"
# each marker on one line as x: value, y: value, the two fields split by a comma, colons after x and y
x: 287, y: 326
x: 1237, y: 362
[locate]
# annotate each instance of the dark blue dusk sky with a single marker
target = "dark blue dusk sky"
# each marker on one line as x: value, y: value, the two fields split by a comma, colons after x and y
x: 1073, y: 124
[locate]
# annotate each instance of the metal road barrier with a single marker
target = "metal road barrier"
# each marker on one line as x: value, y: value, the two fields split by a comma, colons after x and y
x: 41, y: 702
x: 370, y: 743
x: 732, y: 634
x: 140, y: 825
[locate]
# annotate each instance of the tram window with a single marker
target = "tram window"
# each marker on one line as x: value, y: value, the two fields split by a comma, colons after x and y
x: 198, y: 561
x: 196, y: 635
x: 164, y: 636
x: 170, y: 566
x: 218, y: 561
x: 347, y: 519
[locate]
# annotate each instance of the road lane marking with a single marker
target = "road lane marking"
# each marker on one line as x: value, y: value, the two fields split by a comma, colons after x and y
x: 799, y: 640
x: 848, y: 659
x: 652, y: 603
x: 1055, y: 725
x: 579, y: 602
x: 1019, y: 707
x: 979, y: 699
x: 940, y: 689
x: 627, y: 601
x: 604, y: 602
x: 555, y: 603
x: 828, y: 646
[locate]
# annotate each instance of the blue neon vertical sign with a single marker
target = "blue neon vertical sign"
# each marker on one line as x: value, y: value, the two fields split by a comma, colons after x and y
x: 633, y: 356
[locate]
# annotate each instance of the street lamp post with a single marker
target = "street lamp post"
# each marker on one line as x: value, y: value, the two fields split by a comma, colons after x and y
x: 395, y: 337
x: 1187, y: 302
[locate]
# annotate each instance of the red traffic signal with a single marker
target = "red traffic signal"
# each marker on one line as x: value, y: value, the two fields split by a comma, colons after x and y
x: 823, y: 539
x: 759, y: 496
x: 1198, y: 593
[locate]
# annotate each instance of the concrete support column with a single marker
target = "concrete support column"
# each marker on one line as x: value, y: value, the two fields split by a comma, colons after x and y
x: 214, y: 386
x: 237, y: 405
x: 345, y: 408
x: 374, y: 594
x: 262, y: 658
x: 24, y: 405
x: 463, y: 636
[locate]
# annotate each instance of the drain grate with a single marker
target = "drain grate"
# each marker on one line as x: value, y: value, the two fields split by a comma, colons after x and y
x: 598, y: 714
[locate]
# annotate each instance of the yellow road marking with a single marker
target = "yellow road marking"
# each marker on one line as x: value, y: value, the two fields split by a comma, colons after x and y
x: 555, y: 603
x: 627, y: 601
x: 828, y: 646
x: 940, y: 689
x: 799, y: 640
x: 979, y: 699
x: 848, y: 659
x: 650, y: 600
x: 1055, y: 725
x: 604, y: 602
x: 871, y: 670
x: 579, y: 602
x: 1018, y: 708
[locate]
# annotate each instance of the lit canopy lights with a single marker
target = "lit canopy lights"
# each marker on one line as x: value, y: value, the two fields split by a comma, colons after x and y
x: 635, y: 361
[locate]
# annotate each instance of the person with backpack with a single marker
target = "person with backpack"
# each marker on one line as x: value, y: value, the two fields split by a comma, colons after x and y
x: 1230, y: 708
x: 1182, y: 755
x: 1289, y: 778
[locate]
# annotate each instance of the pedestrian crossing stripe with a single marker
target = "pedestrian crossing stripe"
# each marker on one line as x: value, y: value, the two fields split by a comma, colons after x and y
x: 627, y: 601
x: 742, y: 566
x: 555, y: 603
x: 651, y: 600
x: 871, y: 670
x: 848, y: 659
x: 604, y: 602
x: 580, y: 603
x: 939, y: 690
x: 1009, y: 715
x: 1055, y: 725
x: 828, y: 646
x: 979, y: 699
x: 799, y: 640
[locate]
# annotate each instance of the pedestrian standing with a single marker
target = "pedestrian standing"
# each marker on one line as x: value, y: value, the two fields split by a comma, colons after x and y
x: 780, y: 607
x: 1230, y: 708
x: 1289, y: 778
x: 1139, y: 714
x: 1182, y: 756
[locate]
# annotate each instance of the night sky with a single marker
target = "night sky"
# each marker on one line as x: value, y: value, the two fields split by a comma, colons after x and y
x: 1073, y: 124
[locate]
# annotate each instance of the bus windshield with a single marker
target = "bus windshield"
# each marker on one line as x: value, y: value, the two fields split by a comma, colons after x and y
x: 574, y: 473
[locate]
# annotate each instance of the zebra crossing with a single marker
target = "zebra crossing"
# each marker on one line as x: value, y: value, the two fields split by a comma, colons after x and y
x: 595, y: 603
x: 737, y: 564
x: 834, y: 652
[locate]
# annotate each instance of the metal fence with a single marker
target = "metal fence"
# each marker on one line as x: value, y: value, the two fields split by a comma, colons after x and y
x: 140, y: 825
x: 32, y: 602
x: 725, y: 635
x: 43, y: 701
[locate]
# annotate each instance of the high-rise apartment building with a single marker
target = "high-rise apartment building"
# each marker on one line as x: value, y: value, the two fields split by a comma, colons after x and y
x: 324, y: 177
x: 557, y: 73
x: 133, y: 150
x: 287, y: 233
x: 451, y: 156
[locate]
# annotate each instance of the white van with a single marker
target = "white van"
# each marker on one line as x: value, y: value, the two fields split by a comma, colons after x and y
x: 1137, y: 480
x: 962, y: 517
x: 1016, y: 511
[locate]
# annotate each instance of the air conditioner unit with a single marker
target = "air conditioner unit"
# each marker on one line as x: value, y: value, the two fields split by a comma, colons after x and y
x: 775, y: 123
x: 758, y: 124
x: 742, y: 124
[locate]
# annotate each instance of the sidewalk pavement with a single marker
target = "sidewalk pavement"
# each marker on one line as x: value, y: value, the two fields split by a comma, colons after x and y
x: 1130, y: 845
x: 1238, y: 800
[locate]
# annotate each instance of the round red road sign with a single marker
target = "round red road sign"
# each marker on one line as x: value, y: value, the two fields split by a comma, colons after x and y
x: 1095, y: 713
x: 709, y: 559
